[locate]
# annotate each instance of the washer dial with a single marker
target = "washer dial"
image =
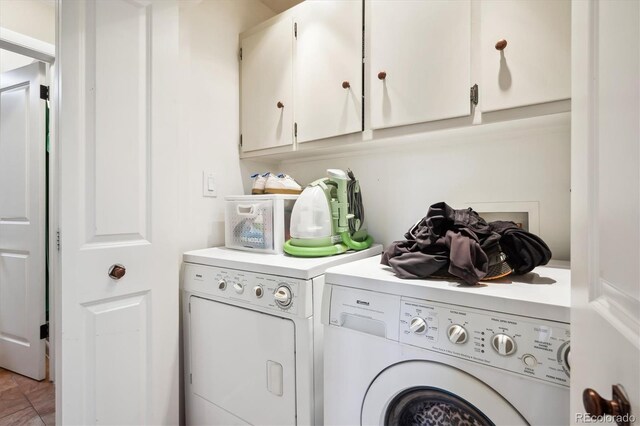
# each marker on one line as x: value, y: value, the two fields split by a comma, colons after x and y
x: 503, y: 344
x: 564, y: 357
x: 418, y: 325
x: 457, y: 334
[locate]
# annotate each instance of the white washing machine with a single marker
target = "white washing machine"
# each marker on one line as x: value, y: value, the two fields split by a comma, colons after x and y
x: 403, y: 352
x: 253, y: 346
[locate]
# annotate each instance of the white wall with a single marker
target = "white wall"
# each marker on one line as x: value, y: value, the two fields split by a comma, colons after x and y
x: 209, y: 118
x: 33, y: 18
x: 523, y: 160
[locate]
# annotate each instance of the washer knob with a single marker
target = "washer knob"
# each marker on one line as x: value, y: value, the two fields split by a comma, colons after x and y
x: 257, y: 290
x: 418, y: 325
x: 503, y: 344
x: 529, y: 360
x: 564, y: 357
x: 457, y: 334
x: 282, y: 296
x: 239, y: 288
x: 222, y: 285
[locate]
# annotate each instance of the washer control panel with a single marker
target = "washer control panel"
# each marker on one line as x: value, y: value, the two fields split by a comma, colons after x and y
x: 522, y: 345
x: 275, y: 293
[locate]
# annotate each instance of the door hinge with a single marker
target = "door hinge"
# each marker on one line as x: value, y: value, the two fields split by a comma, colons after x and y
x: 58, y: 239
x: 474, y: 94
x: 241, y: 53
x: 44, y: 92
x: 240, y: 140
x: 190, y: 378
x: 189, y: 307
x: 295, y: 129
x: 44, y: 331
x: 295, y: 29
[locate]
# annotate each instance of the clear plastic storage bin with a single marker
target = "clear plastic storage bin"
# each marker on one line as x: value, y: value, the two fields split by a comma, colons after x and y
x: 258, y: 222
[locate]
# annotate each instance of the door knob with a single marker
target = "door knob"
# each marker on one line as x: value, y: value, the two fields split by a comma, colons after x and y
x: 618, y: 406
x: 382, y: 75
x: 117, y: 271
x: 280, y: 104
x: 345, y: 85
x: 501, y: 44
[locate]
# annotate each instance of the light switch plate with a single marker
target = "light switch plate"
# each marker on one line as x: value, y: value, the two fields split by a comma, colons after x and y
x: 209, y: 184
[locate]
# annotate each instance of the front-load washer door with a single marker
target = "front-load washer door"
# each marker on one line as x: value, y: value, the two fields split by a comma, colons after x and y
x: 243, y: 361
x: 430, y: 393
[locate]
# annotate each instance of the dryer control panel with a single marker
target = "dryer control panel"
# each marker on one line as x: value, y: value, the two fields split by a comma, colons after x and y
x: 274, y: 293
x: 522, y: 345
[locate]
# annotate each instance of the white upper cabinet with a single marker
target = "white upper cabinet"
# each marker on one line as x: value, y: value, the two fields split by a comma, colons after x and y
x: 535, y: 65
x: 328, y: 64
x: 420, y: 61
x: 267, y: 86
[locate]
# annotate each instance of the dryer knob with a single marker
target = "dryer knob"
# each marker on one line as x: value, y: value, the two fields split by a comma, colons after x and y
x: 457, y: 334
x: 283, y: 296
x: 222, y: 285
x: 503, y: 344
x: 418, y: 325
x: 239, y: 288
x: 257, y: 290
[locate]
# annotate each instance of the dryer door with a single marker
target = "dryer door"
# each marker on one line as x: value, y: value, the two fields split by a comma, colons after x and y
x: 430, y: 393
x: 243, y: 361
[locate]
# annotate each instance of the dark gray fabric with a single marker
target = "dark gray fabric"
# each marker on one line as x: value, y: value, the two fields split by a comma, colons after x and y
x: 444, y: 238
x: 524, y: 250
x: 461, y: 242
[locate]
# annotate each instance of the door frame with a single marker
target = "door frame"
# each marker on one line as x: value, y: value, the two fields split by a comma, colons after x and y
x: 45, y: 52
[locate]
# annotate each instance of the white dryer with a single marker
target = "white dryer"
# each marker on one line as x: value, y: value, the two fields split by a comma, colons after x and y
x: 427, y: 352
x: 252, y: 344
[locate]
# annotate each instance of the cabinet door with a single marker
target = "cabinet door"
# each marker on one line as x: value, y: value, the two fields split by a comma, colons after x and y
x: 424, y: 47
x: 267, y: 87
x: 328, y: 69
x: 535, y: 66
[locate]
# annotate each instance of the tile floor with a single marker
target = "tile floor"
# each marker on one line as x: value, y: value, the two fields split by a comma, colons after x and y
x: 24, y: 401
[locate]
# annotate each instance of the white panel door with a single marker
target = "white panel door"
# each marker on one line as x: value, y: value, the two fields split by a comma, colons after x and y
x: 266, y: 94
x: 535, y: 66
x: 605, y: 205
x: 243, y: 361
x: 118, y: 358
x: 328, y: 65
x: 420, y: 61
x: 22, y: 220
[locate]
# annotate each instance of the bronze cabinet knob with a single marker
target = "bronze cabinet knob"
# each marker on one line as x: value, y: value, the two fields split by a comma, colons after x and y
x: 117, y: 271
x: 382, y: 75
x: 280, y: 104
x: 596, y: 406
x: 345, y: 85
x: 501, y: 44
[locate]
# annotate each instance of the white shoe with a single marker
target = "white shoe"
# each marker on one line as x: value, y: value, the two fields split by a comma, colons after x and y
x: 281, y: 184
x: 258, y: 182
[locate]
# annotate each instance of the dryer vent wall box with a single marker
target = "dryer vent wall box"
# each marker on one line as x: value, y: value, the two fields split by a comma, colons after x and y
x: 258, y: 223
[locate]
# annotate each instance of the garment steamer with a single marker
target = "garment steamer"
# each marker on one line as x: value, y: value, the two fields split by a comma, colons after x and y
x: 328, y: 218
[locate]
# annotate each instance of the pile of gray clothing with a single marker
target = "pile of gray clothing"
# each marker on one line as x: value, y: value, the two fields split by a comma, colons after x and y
x: 460, y: 243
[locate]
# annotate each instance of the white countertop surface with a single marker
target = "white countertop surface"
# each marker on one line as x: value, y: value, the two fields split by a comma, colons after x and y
x: 543, y: 293
x: 275, y: 264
